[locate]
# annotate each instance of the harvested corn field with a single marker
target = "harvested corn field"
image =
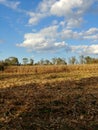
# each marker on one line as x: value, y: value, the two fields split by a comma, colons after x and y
x: 49, y: 98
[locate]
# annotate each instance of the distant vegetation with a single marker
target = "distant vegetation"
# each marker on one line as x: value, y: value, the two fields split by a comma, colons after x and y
x: 13, y: 61
x: 54, y: 61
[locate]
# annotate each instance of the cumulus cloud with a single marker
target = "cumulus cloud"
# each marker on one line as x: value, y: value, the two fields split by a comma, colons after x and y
x: 35, y: 17
x: 10, y: 4
x: 45, y: 5
x: 70, y: 34
x: 92, y: 31
x: 93, y: 49
x: 70, y: 9
x: 85, y: 49
x: 53, y: 38
x: 74, y: 23
x: 63, y: 7
x: 42, y: 11
x: 91, y: 37
x: 44, y: 40
x: 62, y: 30
x: 90, y: 34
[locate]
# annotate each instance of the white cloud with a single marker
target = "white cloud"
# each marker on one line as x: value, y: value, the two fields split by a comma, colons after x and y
x: 93, y: 49
x: 50, y: 32
x: 85, y: 49
x: 70, y: 9
x: 63, y: 7
x: 44, y: 40
x: 35, y: 17
x: 10, y: 4
x: 92, y: 31
x: 91, y: 37
x: 90, y: 34
x: 73, y: 23
x: 70, y: 34
x: 45, y: 5
x: 42, y: 11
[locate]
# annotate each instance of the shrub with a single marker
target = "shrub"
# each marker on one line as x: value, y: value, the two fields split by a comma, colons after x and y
x: 1, y: 67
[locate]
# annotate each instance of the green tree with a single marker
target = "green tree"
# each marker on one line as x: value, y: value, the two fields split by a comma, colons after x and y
x: 73, y: 60
x: 12, y: 61
x: 47, y: 62
x: 82, y: 59
x: 25, y: 61
x: 41, y: 62
x: 1, y: 66
x: 88, y: 60
x: 31, y: 62
x: 54, y: 61
x: 95, y: 60
x: 59, y: 61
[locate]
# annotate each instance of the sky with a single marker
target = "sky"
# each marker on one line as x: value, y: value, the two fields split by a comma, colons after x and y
x: 48, y: 28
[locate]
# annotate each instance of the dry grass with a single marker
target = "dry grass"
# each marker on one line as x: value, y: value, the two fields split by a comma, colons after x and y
x: 49, y: 98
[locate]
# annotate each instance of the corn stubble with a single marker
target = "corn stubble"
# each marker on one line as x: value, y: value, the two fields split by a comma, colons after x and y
x: 49, y: 98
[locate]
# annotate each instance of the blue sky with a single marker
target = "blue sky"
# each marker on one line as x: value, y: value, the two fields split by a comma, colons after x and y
x: 48, y: 28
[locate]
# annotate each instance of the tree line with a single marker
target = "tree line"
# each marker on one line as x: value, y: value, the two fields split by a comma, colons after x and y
x: 54, y: 61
